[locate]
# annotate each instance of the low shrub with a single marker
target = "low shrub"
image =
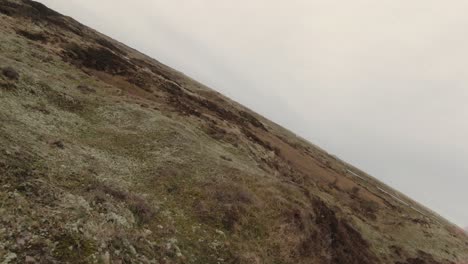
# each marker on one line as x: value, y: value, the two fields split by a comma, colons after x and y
x: 141, y: 209
x: 10, y: 73
x: 138, y: 205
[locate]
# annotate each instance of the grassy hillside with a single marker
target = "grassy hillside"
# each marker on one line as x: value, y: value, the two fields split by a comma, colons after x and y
x: 108, y: 156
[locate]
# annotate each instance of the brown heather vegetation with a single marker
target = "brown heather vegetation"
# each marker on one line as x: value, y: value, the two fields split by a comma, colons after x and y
x: 108, y: 156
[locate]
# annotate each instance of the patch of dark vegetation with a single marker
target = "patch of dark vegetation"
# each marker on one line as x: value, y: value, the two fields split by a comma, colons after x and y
x: 184, y: 103
x: 40, y: 14
x: 101, y: 59
x: 422, y: 258
x: 31, y: 9
x: 39, y: 107
x: 254, y: 138
x: 9, y: 8
x: 397, y: 250
x: 308, y: 150
x: 109, y: 45
x: 192, y: 105
x: 370, y: 209
x: 285, y: 169
x: 42, y: 57
x: 114, y: 191
x: 158, y: 69
x: 8, y: 86
x: 10, y: 73
x: 64, y: 101
x: 73, y: 248
x: 17, y: 167
x: 329, y: 238
x: 41, y: 10
x: 141, y: 79
x: 221, y: 112
x: 172, y: 88
x: 183, y: 107
x: 226, y: 206
x: 85, y: 89
x: 34, y: 36
x: 252, y: 120
x: 141, y: 209
x: 354, y: 194
x: 216, y: 132
x: 421, y: 221
x: 366, y: 208
x: 225, y: 158
x: 20, y: 172
x: 189, y: 104
x: 148, y: 82
x: 58, y: 144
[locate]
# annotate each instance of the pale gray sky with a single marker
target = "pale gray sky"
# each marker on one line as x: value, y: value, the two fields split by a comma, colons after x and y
x: 382, y: 84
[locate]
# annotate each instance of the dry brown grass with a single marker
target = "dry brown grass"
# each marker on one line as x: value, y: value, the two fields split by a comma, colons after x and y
x: 105, y: 157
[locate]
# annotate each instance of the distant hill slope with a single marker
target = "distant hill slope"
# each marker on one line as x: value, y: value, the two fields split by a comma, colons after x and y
x: 108, y: 156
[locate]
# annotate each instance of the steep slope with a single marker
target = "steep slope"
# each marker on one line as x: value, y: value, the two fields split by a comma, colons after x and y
x: 108, y: 156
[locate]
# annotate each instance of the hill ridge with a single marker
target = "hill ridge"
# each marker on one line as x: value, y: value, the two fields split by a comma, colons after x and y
x: 109, y: 156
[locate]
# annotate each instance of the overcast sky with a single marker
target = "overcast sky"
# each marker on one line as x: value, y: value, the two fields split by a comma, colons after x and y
x: 381, y: 84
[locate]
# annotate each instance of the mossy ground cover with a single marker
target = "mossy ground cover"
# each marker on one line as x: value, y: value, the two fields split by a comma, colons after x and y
x: 96, y: 169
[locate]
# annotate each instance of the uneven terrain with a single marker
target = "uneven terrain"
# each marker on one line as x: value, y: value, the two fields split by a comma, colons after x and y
x: 108, y: 156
